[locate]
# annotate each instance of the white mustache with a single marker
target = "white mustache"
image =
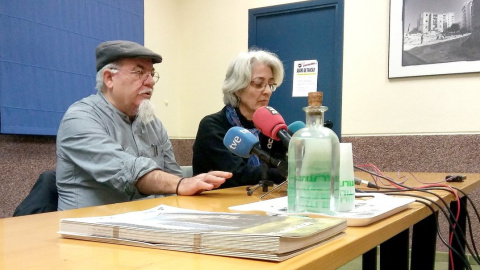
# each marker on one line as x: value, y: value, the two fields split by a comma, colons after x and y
x: 146, y: 91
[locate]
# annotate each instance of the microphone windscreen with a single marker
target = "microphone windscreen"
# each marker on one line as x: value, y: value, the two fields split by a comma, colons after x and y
x: 295, y: 126
x: 269, y: 121
x: 240, y: 141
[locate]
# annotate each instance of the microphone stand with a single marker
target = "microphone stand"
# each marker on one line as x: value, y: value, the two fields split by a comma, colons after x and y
x: 264, y: 183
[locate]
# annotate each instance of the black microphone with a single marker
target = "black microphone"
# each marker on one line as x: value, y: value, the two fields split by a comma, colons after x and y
x: 328, y: 124
x: 243, y: 143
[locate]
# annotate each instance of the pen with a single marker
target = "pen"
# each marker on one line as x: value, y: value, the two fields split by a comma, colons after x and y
x: 155, y: 150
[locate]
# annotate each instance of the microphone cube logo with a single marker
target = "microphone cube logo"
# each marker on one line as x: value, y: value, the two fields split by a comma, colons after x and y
x: 240, y: 141
x: 244, y: 130
x: 271, y: 110
x: 235, y: 142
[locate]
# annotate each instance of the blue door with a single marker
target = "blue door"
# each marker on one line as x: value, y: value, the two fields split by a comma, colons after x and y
x: 311, y: 30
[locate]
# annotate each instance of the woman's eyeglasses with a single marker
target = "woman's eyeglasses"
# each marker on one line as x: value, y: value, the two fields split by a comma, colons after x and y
x: 260, y: 86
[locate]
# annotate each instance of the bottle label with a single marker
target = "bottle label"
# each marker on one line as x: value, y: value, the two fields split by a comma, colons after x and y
x: 346, y: 198
x: 312, y: 193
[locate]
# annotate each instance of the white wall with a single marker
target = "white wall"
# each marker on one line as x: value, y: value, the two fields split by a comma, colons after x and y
x: 198, y: 38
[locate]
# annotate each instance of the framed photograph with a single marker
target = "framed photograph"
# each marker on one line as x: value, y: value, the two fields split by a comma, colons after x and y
x: 433, y: 37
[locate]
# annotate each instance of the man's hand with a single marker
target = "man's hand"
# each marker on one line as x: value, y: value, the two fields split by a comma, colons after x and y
x: 205, y: 181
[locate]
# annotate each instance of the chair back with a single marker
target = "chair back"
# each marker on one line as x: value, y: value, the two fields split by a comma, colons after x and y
x: 43, y: 196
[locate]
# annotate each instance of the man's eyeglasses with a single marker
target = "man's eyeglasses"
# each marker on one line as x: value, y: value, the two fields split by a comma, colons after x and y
x: 142, y: 74
x: 260, y: 86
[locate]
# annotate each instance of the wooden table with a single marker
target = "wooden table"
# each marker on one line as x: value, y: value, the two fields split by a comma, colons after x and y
x: 32, y: 242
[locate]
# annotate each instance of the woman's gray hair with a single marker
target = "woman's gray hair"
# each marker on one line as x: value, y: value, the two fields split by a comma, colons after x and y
x: 100, y: 85
x: 239, y: 73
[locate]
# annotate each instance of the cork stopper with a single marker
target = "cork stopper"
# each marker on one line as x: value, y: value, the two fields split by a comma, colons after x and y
x: 315, y: 99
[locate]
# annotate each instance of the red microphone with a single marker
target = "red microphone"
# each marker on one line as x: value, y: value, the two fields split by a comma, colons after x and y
x: 271, y: 124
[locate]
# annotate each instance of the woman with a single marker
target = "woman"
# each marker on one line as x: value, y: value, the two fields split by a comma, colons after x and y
x: 251, y: 79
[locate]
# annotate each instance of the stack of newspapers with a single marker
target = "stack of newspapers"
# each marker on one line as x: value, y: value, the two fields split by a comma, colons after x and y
x: 272, y: 238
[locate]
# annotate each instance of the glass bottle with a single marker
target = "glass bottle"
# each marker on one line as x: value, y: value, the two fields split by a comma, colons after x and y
x: 313, y: 163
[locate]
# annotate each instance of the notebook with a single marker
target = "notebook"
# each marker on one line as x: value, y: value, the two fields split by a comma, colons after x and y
x: 369, y: 208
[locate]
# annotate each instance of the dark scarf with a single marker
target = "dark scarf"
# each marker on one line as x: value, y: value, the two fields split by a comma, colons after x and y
x: 234, y: 120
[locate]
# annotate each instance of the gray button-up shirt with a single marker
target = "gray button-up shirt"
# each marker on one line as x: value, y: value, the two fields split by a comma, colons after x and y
x: 101, y: 154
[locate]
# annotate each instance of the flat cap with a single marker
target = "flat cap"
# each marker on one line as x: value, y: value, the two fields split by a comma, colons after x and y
x: 111, y: 51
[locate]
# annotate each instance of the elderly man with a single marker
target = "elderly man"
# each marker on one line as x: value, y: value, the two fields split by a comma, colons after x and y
x: 110, y: 146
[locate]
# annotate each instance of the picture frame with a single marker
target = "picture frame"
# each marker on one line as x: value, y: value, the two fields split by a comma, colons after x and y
x: 425, y: 41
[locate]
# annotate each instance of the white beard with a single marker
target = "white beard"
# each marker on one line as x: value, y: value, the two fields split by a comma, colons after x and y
x: 146, y: 111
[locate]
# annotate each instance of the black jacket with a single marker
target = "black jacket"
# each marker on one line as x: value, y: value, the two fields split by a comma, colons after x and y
x: 209, y: 152
x: 43, y: 196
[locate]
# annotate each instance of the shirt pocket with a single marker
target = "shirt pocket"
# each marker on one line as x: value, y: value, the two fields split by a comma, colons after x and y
x: 157, y: 153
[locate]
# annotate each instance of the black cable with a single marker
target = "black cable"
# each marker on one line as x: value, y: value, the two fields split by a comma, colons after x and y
x: 463, y: 257
x: 389, y: 190
x: 414, y: 189
x: 471, y: 202
x: 456, y: 229
x: 438, y: 226
x: 452, y: 223
x: 476, y: 256
x: 393, y: 192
